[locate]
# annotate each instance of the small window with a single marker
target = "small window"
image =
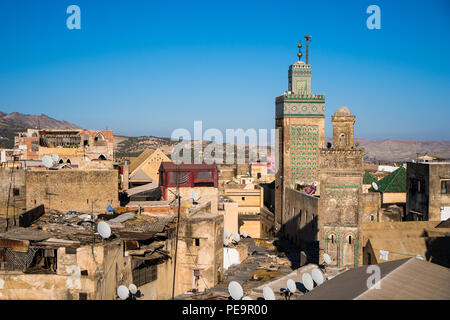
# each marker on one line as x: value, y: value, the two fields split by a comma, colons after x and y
x: 84, y: 272
x: 16, y: 191
x: 445, y: 186
x: 83, y: 296
x: 372, y: 217
x: 206, y: 175
x: 197, y: 242
x: 71, y: 251
x: 243, y: 198
x: 332, y: 238
x: 349, y: 239
x: 342, y: 140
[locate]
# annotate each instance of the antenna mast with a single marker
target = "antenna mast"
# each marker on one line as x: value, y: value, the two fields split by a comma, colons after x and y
x: 307, y: 47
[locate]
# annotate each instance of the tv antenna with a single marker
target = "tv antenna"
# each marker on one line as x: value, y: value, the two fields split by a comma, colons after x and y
x: 326, y: 259
x: 291, y: 286
x: 235, y: 290
x: 307, y: 281
x: 236, y: 237
x: 195, y: 197
x: 123, y: 292
x: 268, y: 293
x: 47, y: 161
x: 104, y: 229
x: 317, y: 276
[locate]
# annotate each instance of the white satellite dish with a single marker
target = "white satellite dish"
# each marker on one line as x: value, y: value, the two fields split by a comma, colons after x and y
x: 268, y: 293
x: 236, y: 237
x: 133, y: 289
x: 123, y: 292
x: 317, y: 276
x: 104, y: 229
x: 225, y: 242
x: 307, y: 281
x: 326, y: 258
x: 55, y: 157
x: 374, y: 186
x: 291, y: 286
x: 235, y: 290
x: 226, y: 233
x: 247, y: 298
x: 47, y: 161
x: 194, y: 195
x: 244, y: 234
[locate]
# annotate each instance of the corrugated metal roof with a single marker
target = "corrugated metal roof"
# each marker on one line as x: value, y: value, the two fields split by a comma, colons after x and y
x: 406, y: 279
x: 413, y: 280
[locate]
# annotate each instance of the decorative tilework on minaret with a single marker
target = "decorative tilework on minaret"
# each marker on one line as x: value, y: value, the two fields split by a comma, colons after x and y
x: 299, y: 116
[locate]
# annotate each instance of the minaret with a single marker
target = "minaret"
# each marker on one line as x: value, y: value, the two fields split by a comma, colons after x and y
x: 300, y: 118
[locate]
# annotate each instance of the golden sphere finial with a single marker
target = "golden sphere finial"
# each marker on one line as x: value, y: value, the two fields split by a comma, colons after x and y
x: 299, y: 54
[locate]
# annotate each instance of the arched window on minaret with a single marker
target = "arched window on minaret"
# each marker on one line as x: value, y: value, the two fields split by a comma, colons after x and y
x: 342, y: 140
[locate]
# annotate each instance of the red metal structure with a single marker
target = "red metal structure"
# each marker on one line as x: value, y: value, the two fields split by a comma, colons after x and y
x: 189, y: 176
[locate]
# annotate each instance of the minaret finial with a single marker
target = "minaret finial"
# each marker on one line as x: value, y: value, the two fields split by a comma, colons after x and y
x: 299, y: 54
x: 307, y: 40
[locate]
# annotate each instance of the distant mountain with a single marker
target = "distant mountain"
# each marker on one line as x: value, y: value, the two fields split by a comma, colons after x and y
x: 12, y: 123
x: 374, y: 150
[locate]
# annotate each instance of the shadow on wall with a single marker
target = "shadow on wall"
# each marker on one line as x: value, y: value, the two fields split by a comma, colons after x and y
x: 295, y: 237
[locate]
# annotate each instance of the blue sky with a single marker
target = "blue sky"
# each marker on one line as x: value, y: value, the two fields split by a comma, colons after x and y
x: 149, y: 67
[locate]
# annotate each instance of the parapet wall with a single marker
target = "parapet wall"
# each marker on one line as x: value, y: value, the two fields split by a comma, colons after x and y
x: 72, y: 190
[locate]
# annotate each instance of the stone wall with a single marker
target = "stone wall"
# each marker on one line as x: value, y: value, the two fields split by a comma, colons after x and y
x: 93, y: 272
x: 200, y: 247
x: 76, y: 190
x: 11, y: 179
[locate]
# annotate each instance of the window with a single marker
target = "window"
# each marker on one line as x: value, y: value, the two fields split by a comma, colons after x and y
x: 207, y: 175
x: 197, y: 242
x: 258, y: 175
x: 243, y: 198
x: 445, y: 186
x: 83, y: 296
x: 16, y: 191
x: 342, y: 140
x: 145, y: 273
x: 372, y: 217
x: 349, y: 239
x: 183, y: 178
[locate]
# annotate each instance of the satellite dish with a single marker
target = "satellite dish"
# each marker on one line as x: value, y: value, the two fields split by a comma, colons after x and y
x: 47, y: 161
x: 247, y: 298
x: 244, y: 234
x: 194, y: 195
x: 226, y: 233
x: 133, y: 289
x: 55, y: 157
x: 268, y: 293
x: 317, y: 276
x: 307, y: 281
x: 236, y: 237
x: 326, y: 258
x: 225, y: 242
x: 419, y: 257
x: 374, y: 186
x: 104, y: 229
x: 123, y: 292
x: 235, y: 290
x: 291, y: 286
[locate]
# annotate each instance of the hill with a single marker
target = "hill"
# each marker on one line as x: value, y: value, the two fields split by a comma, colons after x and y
x: 12, y: 123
